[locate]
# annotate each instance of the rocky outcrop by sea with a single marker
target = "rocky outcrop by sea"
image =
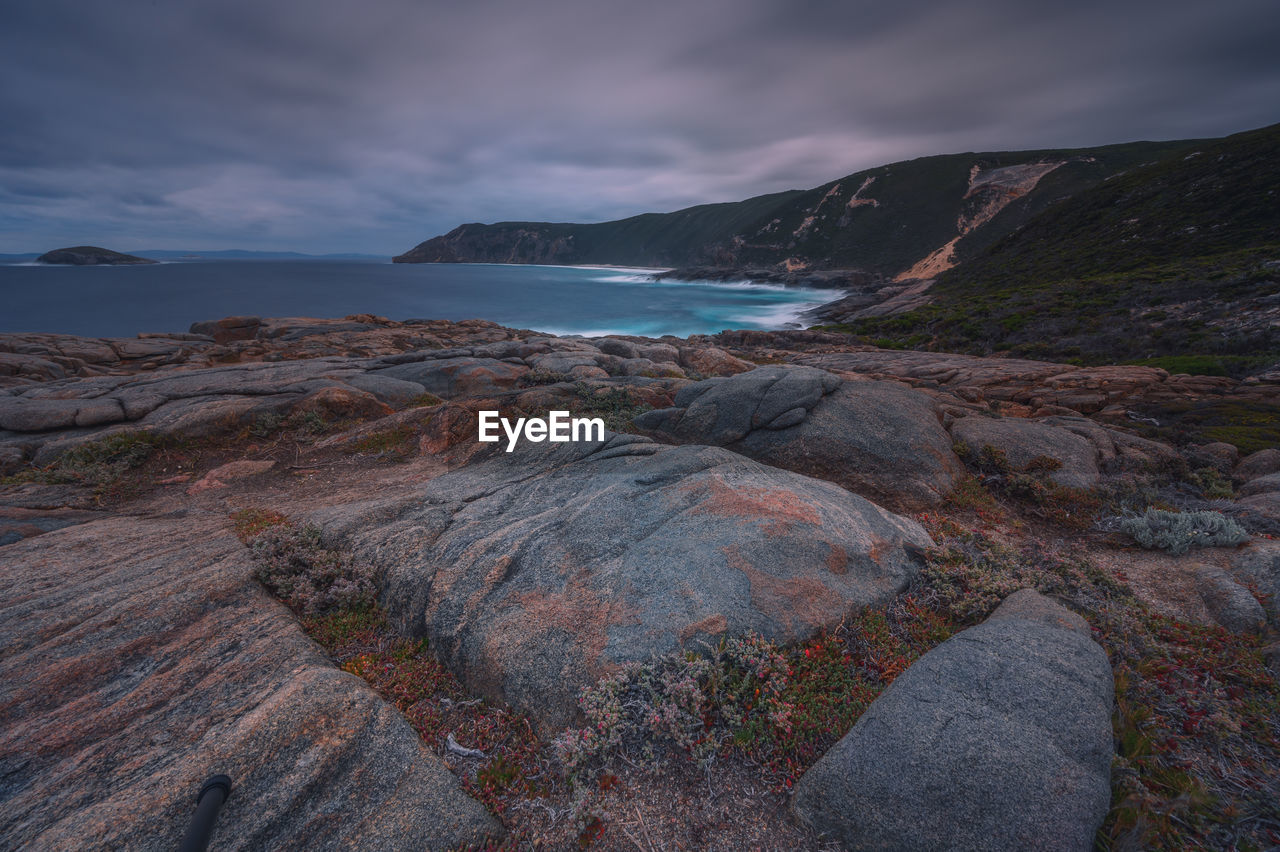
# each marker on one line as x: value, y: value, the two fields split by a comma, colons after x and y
x: 773, y: 484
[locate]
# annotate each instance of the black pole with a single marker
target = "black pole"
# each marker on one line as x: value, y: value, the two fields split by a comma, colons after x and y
x: 212, y: 795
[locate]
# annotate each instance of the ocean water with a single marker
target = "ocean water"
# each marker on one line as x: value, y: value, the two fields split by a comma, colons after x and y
x: 109, y: 301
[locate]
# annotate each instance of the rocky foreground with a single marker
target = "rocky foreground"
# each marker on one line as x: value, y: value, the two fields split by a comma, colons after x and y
x: 786, y: 491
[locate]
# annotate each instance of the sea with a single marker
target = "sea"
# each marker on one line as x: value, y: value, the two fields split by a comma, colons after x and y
x: 122, y: 301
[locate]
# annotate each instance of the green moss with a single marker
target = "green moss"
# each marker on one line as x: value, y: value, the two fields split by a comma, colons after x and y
x: 1248, y: 425
x: 398, y: 440
x: 1196, y: 365
x: 99, y: 463
x: 424, y: 400
x: 249, y: 523
x: 614, y: 405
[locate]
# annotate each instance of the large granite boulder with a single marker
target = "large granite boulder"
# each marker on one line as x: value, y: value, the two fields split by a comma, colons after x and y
x: 999, y: 738
x: 534, y: 573
x: 140, y: 657
x: 1023, y: 441
x: 878, y: 439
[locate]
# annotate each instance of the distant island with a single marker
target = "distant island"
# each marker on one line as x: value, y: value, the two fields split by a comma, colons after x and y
x: 90, y: 256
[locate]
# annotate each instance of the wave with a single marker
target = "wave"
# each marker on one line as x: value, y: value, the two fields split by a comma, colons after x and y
x: 744, y: 285
x: 776, y: 316
x: 593, y: 332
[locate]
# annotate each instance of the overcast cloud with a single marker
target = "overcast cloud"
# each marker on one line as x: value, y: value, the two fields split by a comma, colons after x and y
x: 328, y: 125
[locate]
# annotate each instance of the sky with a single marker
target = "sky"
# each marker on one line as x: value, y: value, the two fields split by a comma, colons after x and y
x: 371, y: 125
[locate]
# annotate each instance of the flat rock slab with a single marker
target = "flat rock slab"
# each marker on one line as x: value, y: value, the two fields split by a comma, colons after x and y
x: 537, y: 572
x: 139, y: 658
x: 999, y: 738
x: 878, y: 439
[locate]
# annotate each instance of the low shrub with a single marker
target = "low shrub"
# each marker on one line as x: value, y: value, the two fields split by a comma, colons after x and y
x: 296, y: 566
x: 969, y: 573
x: 1211, y: 484
x: 1178, y: 532
x: 250, y: 523
x: 679, y: 702
x: 302, y: 425
x: 98, y: 463
x: 535, y: 378
x: 398, y: 440
x: 613, y: 405
x: 424, y: 400
x: 1033, y: 486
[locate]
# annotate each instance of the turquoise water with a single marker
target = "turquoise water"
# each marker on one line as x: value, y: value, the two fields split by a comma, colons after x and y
x: 124, y: 300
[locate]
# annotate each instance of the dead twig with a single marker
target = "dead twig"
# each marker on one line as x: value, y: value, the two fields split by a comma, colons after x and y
x: 462, y: 751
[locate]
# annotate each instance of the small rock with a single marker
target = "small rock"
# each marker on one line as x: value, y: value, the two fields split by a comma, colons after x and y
x: 620, y: 348
x: 1266, y: 504
x: 1261, y: 463
x: 11, y: 458
x: 24, y: 415
x: 393, y: 391
x: 661, y: 352
x: 1260, y: 485
x: 1218, y: 456
x: 1229, y: 603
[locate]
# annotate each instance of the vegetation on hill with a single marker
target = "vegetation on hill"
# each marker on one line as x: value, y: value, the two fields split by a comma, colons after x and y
x: 1173, y: 264
x: 882, y: 220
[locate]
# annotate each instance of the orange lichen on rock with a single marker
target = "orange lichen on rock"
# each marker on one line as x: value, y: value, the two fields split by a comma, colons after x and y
x: 800, y: 604
x: 779, y: 507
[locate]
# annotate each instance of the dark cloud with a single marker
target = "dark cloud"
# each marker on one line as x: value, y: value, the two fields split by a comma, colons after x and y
x: 328, y: 125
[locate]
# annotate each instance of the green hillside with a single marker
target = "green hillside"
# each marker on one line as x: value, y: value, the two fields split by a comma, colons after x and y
x: 1174, y: 263
x: 881, y: 220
